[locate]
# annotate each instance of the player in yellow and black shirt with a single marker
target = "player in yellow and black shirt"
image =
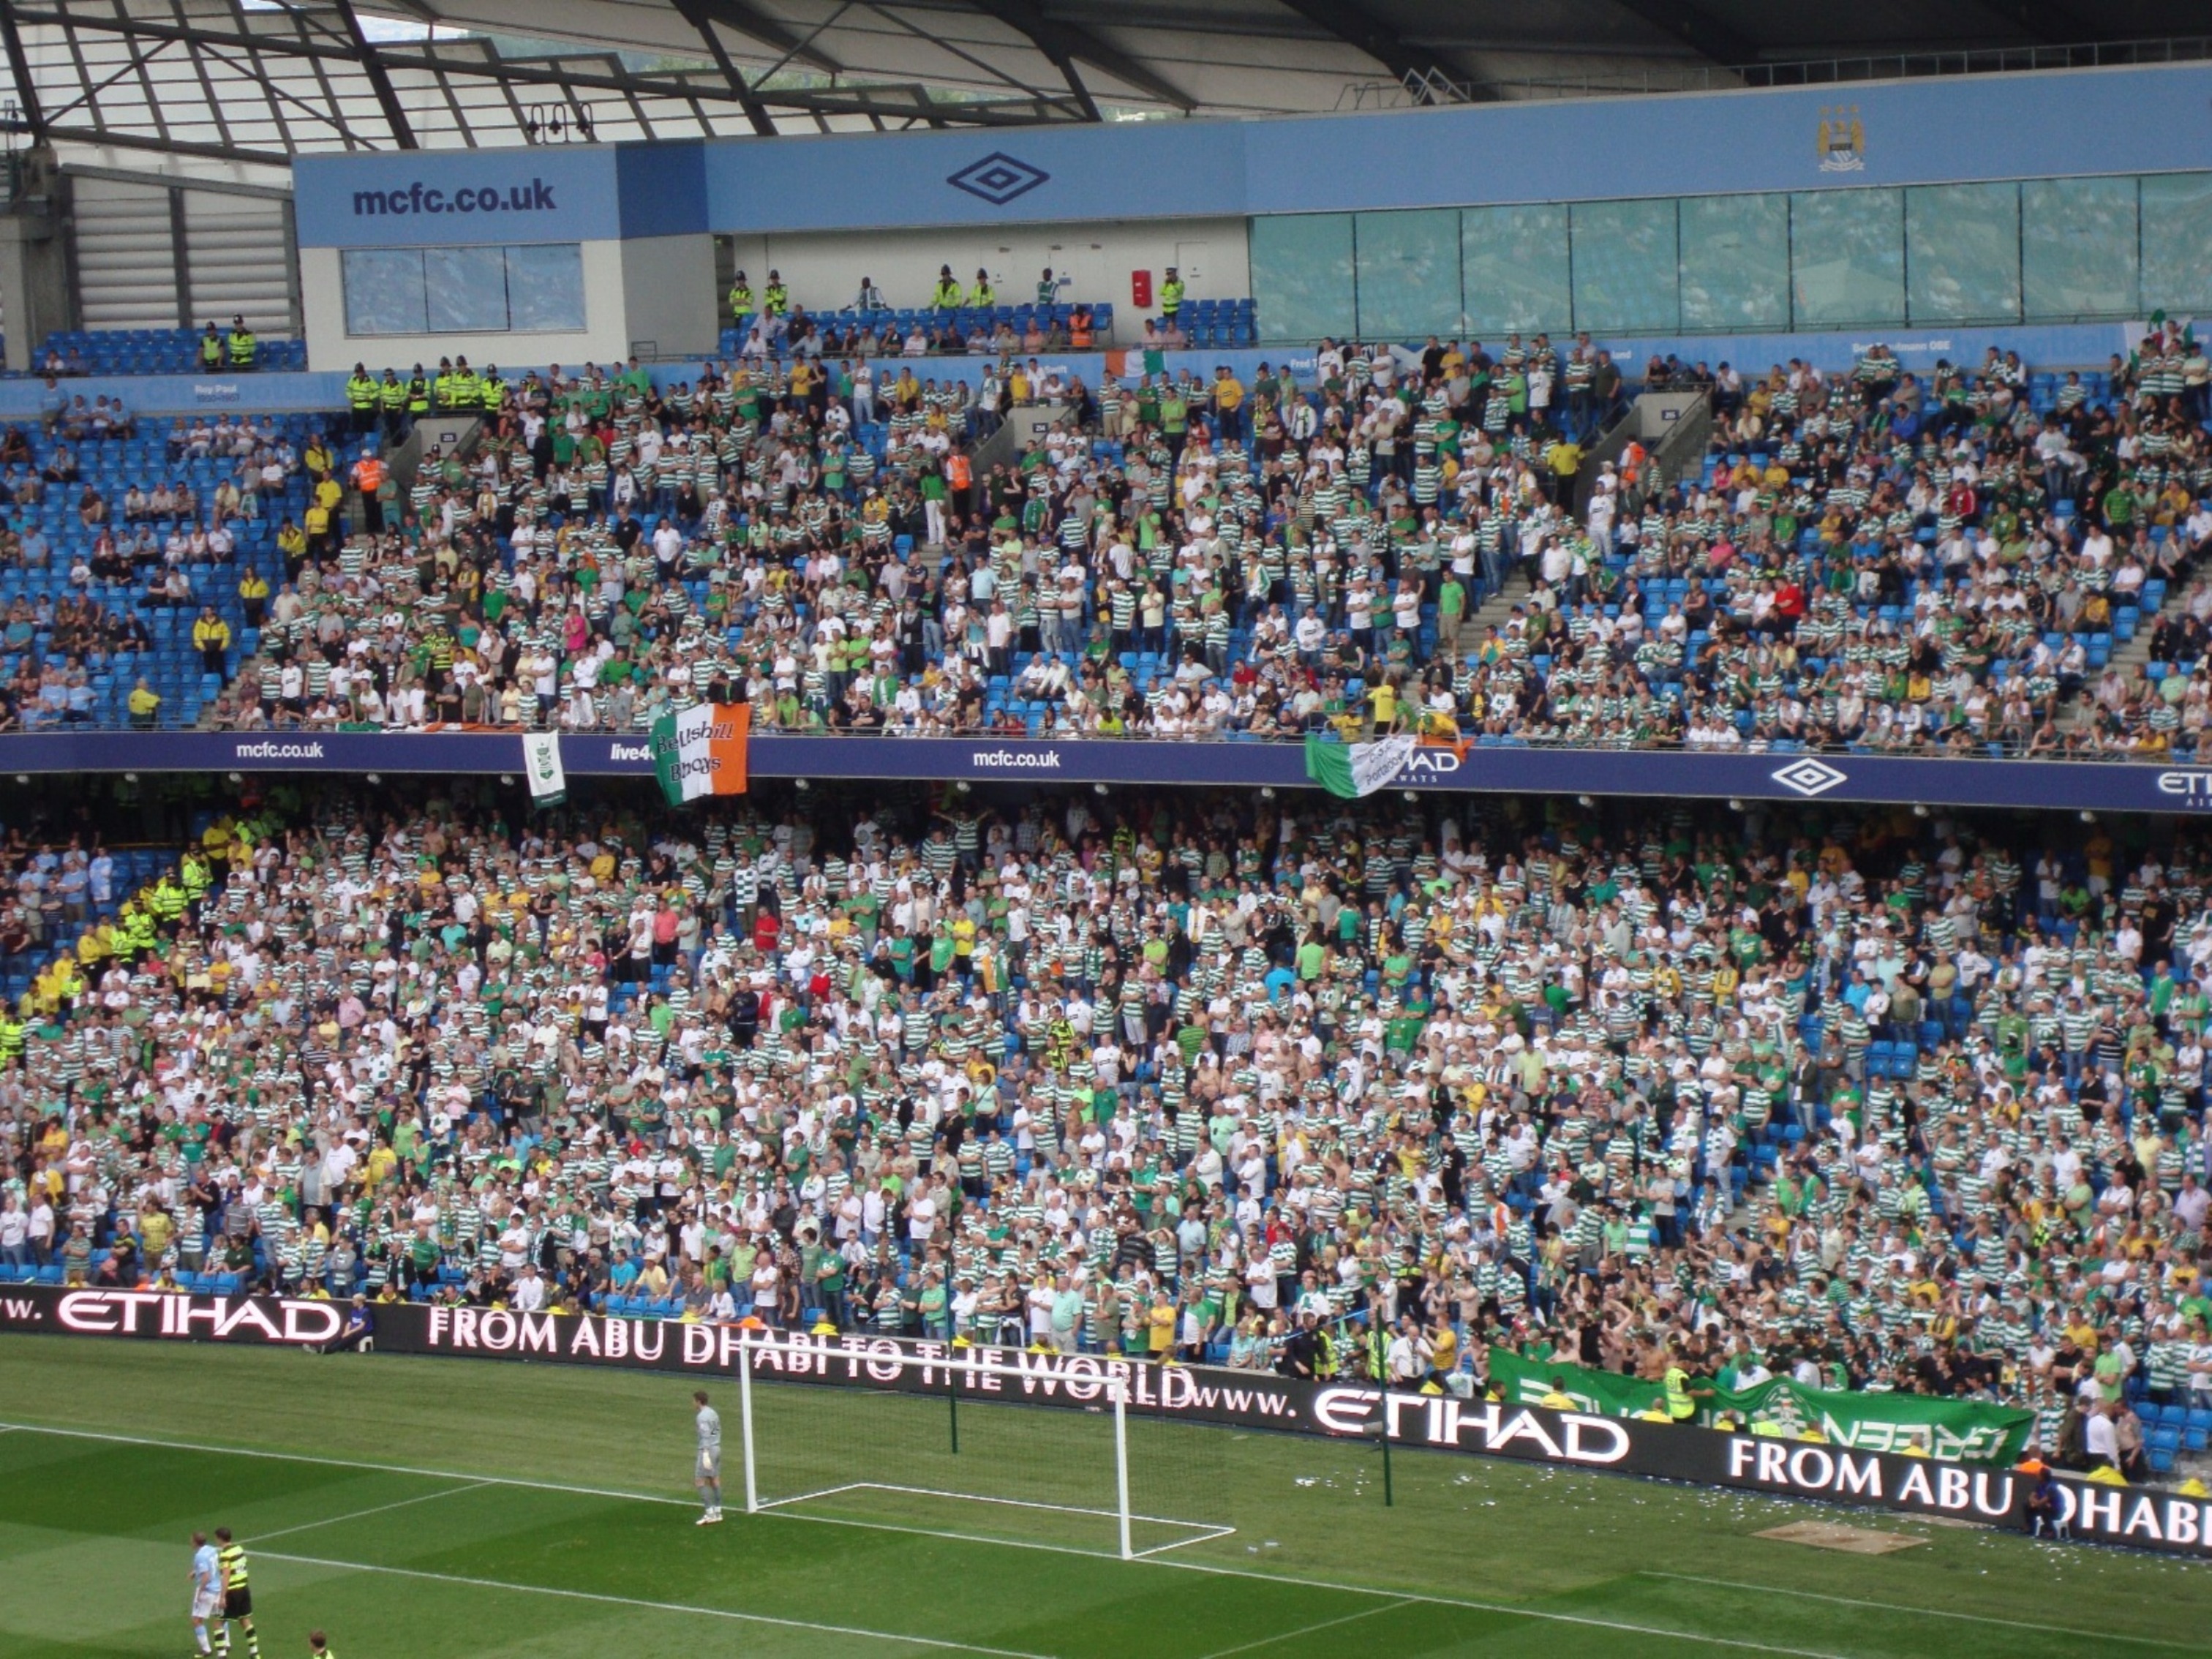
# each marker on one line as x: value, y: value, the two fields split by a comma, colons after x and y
x: 237, y: 1594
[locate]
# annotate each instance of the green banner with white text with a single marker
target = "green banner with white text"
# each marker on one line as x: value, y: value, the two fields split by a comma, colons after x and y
x: 1962, y: 1430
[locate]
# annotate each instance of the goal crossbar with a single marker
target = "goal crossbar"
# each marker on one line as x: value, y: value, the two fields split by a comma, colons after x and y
x: 975, y: 1373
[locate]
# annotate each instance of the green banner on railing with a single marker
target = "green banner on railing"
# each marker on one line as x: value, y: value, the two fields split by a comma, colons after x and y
x: 1962, y: 1430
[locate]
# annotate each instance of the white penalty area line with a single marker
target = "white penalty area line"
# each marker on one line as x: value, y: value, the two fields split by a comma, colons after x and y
x: 214, y: 1449
x: 689, y: 1608
x: 1922, y: 1612
x: 359, y: 1515
x: 1202, y: 1532
x: 1502, y: 1608
x: 1309, y: 1630
x: 1198, y: 1535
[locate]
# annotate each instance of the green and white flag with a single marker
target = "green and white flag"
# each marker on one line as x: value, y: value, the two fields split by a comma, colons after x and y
x: 541, y: 764
x: 1354, y: 770
x: 1958, y: 1430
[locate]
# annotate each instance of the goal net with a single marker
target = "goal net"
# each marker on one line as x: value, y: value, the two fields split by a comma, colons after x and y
x: 1038, y: 1449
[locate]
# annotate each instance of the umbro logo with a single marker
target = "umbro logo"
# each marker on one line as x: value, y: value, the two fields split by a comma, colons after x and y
x: 998, y: 178
x: 1809, y: 777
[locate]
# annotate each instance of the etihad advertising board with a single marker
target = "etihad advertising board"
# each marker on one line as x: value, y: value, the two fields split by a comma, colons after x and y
x: 2140, y: 1517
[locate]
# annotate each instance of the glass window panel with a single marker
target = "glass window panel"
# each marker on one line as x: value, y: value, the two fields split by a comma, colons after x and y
x: 467, y: 289
x: 1847, y: 257
x: 1513, y: 269
x: 1962, y: 253
x: 1408, y: 273
x: 1625, y: 267
x: 2078, y: 248
x: 1302, y: 275
x: 1735, y: 262
x: 546, y: 289
x: 2177, y: 241
x: 383, y: 290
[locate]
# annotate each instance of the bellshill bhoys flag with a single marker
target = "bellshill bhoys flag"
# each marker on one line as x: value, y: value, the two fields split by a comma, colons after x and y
x: 701, y: 751
x: 1354, y: 770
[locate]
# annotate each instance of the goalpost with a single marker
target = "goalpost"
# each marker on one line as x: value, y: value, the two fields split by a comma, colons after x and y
x: 1029, y: 1447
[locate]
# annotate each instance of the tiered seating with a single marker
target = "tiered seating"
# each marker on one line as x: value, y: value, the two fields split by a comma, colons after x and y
x: 892, y: 325
x: 167, y: 661
x: 1218, y: 323
x: 152, y: 351
x: 134, y: 867
x: 1732, y: 1096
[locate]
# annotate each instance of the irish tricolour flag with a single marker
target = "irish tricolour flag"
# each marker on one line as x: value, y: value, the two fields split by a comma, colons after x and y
x: 701, y: 751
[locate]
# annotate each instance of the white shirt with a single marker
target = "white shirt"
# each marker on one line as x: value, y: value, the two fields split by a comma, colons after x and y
x: 2102, y: 1439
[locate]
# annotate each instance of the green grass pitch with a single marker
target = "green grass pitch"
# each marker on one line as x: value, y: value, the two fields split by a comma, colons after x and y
x: 431, y: 1508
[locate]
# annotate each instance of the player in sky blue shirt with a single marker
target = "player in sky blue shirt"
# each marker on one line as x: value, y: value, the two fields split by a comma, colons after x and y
x: 207, y: 1589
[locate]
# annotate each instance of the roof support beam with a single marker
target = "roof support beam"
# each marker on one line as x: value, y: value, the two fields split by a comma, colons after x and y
x: 695, y: 12
x: 1047, y: 37
x: 1356, y: 25
x: 19, y: 68
x: 1696, y: 28
x: 755, y: 24
x: 379, y: 80
x: 274, y: 60
x: 1061, y: 42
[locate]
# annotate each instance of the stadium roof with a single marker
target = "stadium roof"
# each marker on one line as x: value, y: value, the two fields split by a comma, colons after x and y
x: 258, y: 81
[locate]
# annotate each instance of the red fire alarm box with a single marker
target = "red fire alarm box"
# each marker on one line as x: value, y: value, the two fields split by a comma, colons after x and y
x: 1140, y: 289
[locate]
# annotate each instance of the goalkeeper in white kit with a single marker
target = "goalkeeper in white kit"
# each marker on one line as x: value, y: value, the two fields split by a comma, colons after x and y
x: 706, y: 1474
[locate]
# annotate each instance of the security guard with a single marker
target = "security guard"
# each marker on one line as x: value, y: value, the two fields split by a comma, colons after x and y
x: 1171, y: 293
x: 981, y: 297
x: 491, y: 391
x: 418, y: 396
x: 1680, y: 1407
x: 11, y: 1037
x: 392, y: 400
x: 253, y: 596
x: 441, y: 384
x: 211, y: 639
x: 741, y: 299
x: 319, y: 1646
x: 210, y: 350
x: 244, y: 348
x: 316, y: 521
x: 468, y: 388
x: 134, y: 930
x: 947, y: 297
x: 775, y: 298
x: 237, y: 1595
x: 367, y: 476
x: 361, y: 397
x: 166, y: 901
